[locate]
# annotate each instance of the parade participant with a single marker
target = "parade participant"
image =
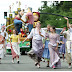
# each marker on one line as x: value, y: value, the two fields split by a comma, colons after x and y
x: 70, y: 27
x: 5, y: 35
x: 15, y: 46
x: 62, y: 48
x: 2, y: 45
x: 68, y: 49
x: 37, y: 46
x: 46, y: 54
x: 18, y: 21
x: 30, y: 19
x: 53, y: 48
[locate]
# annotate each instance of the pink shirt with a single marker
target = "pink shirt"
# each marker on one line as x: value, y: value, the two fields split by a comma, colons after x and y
x: 30, y: 18
x: 17, y: 18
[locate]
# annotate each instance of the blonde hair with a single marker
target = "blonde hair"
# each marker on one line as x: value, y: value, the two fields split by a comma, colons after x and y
x: 49, y: 25
x: 39, y: 22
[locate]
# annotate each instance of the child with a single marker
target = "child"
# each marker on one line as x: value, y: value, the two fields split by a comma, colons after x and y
x: 15, y: 46
x: 2, y: 45
x: 63, y: 41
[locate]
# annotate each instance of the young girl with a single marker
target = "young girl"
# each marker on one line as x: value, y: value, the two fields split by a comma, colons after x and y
x: 53, y: 48
x: 15, y: 46
x: 46, y: 54
x: 63, y: 46
x: 37, y: 46
x: 69, y: 26
x: 2, y: 45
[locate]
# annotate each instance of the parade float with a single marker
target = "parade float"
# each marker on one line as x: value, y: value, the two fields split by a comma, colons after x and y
x: 24, y: 31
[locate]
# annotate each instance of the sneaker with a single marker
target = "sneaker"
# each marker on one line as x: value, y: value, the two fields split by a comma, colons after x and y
x: 53, y: 67
x: 47, y: 65
x: 38, y: 65
x: 18, y: 61
x: 13, y: 61
x: 69, y: 67
x: 43, y: 60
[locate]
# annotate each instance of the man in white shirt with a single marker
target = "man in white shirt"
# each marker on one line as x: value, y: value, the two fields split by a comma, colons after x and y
x: 5, y: 35
x: 37, y: 45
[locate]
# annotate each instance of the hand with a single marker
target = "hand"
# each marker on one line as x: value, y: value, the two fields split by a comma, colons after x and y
x: 62, y: 42
x: 39, y: 32
x: 45, y: 37
x: 64, y: 29
x: 43, y: 45
x: 66, y: 18
x: 23, y: 41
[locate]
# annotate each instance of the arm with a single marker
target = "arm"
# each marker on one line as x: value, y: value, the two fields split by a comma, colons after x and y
x: 42, y: 33
x: 4, y: 44
x: 67, y: 22
x: 22, y: 20
x: 29, y: 36
x: 25, y: 40
x: 18, y: 40
x: 10, y: 41
x: 26, y: 18
x: 58, y: 41
x: 62, y: 31
x: 6, y: 36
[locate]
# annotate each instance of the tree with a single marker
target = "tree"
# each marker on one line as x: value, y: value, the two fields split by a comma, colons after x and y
x: 63, y: 8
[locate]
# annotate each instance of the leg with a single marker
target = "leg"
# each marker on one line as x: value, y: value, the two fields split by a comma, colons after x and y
x: 63, y: 56
x: 17, y: 59
x: 0, y: 60
x: 48, y: 63
x: 12, y: 60
x: 69, y: 65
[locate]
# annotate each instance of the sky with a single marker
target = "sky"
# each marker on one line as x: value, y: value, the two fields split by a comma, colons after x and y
x: 4, y: 6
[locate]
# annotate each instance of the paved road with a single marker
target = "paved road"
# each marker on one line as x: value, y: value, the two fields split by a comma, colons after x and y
x: 27, y: 64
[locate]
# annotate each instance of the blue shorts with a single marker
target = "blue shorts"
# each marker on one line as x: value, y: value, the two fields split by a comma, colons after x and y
x: 30, y: 26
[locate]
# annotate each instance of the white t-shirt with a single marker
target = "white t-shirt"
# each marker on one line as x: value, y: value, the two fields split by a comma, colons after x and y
x: 70, y: 33
x: 36, y: 35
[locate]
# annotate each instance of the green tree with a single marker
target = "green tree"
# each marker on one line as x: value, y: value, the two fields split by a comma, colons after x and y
x: 62, y: 8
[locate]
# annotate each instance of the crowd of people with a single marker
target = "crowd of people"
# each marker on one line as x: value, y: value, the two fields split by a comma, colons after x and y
x: 44, y: 43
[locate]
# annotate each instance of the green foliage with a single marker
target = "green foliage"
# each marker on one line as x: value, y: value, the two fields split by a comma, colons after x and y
x: 63, y: 8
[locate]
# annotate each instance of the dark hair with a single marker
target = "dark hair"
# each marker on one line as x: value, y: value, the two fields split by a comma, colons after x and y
x: 23, y: 9
x: 16, y: 31
x: 53, y: 27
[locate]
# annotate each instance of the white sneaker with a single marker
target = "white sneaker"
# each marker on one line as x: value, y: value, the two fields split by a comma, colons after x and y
x: 69, y: 67
x: 12, y: 61
x: 38, y: 65
x: 18, y: 61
